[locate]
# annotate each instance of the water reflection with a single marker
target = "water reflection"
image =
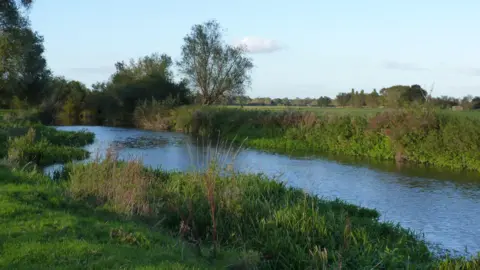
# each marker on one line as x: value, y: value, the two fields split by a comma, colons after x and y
x: 441, y: 204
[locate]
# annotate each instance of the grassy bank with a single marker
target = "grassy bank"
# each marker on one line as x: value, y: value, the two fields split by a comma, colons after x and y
x: 109, y: 215
x: 426, y: 137
x: 23, y: 144
x: 286, y: 227
x: 345, y: 110
x: 44, y: 227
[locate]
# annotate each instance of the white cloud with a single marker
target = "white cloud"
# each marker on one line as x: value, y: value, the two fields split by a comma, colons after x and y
x: 259, y: 45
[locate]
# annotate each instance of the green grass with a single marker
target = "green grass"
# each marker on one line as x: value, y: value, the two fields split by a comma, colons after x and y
x: 287, y: 227
x: 344, y: 111
x: 40, y: 228
x: 317, y: 110
x: 108, y: 214
x: 414, y: 135
x: 42, y: 145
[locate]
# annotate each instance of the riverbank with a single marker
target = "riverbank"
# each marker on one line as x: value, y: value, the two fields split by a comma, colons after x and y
x: 422, y: 137
x: 126, y: 207
x: 286, y: 227
x: 43, y: 227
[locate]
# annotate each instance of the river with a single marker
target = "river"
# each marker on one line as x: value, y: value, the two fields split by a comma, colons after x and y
x: 444, y: 206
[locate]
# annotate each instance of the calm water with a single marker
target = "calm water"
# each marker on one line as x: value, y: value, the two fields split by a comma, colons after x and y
x: 444, y: 206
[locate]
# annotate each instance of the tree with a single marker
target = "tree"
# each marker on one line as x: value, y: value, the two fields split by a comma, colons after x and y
x: 466, y: 102
x: 476, y: 103
x: 10, y: 15
x: 415, y: 93
x: 212, y: 67
x: 400, y: 95
x: 372, y: 100
x: 324, y: 101
x: 343, y: 99
x: 23, y: 68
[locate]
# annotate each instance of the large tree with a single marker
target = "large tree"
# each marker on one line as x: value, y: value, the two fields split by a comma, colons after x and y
x: 23, y: 69
x: 214, y: 68
x: 400, y: 95
x: 10, y: 14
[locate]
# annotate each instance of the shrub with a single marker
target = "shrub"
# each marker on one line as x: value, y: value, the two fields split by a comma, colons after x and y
x: 27, y: 149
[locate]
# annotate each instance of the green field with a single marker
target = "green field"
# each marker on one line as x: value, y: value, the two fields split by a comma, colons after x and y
x: 342, y: 111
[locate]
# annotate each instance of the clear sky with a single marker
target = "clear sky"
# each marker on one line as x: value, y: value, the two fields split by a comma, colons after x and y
x: 299, y: 48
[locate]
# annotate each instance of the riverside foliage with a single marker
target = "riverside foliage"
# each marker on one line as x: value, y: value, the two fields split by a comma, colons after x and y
x: 112, y: 214
x: 423, y: 136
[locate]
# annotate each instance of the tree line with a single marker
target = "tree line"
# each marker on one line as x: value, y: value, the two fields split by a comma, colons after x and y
x: 392, y: 97
x: 212, y: 72
x: 210, y: 69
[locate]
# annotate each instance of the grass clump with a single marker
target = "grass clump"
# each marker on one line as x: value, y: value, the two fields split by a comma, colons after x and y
x: 22, y: 144
x: 26, y: 149
x: 288, y: 228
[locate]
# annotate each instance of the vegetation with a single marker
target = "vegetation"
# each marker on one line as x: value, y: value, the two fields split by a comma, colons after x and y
x: 418, y: 136
x: 43, y: 228
x: 111, y: 214
x: 215, y: 69
x: 214, y: 73
x: 285, y: 227
x: 40, y: 145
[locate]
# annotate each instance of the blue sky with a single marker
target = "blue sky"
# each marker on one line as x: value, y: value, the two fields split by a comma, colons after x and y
x: 299, y: 48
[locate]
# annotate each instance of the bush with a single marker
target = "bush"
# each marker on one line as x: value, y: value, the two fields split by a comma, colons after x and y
x: 25, y: 149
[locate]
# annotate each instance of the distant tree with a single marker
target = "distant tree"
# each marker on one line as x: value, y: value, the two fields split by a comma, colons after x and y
x: 400, y: 95
x: 352, y: 97
x: 466, y: 102
x: 213, y: 67
x: 277, y: 101
x: 415, y: 93
x: 476, y: 103
x: 298, y: 102
x: 445, y: 102
x: 324, y: 101
x: 357, y: 100
x: 373, y: 99
x: 362, y: 98
x: 343, y: 99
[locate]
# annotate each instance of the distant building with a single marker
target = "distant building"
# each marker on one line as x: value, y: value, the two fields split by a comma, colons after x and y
x: 457, y: 108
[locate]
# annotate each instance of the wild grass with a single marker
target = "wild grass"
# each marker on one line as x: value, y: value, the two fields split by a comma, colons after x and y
x: 345, y: 110
x: 224, y: 209
x: 26, y: 149
x: 44, y: 225
x: 420, y: 136
x: 42, y: 228
x: 118, y: 214
x: 24, y: 143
